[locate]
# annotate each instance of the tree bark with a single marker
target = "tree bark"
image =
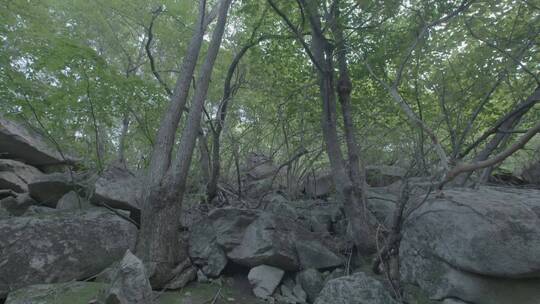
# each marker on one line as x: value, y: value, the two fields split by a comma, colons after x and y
x: 160, y: 245
x: 321, y: 51
x: 163, y: 146
x: 344, y: 89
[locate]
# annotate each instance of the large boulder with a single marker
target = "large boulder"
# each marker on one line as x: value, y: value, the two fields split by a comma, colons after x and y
x: 60, y: 246
x: 319, y: 185
x: 311, y: 281
x: 16, y: 175
x: 18, y: 204
x: 204, y: 250
x: 355, y: 289
x: 118, y: 188
x: 265, y: 279
x: 268, y: 240
x: 131, y: 284
x: 531, y: 174
x: 383, y: 175
x: 48, y: 189
x: 251, y: 238
x: 479, y: 246
x: 18, y: 142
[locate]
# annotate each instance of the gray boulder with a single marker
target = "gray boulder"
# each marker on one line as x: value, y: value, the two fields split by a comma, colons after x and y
x: 72, y: 200
x: 531, y: 174
x: 477, y: 246
x: 230, y: 225
x: 16, y: 175
x: 497, y: 232
x: 17, y: 205
x: 355, y: 289
x: 204, y: 249
x: 311, y: 281
x: 119, y: 189
x: 252, y: 238
x: 268, y: 240
x: 312, y: 253
x: 48, y: 189
x: 60, y: 246
x: 319, y: 185
x: 18, y: 142
x: 131, y: 284
x: 265, y: 279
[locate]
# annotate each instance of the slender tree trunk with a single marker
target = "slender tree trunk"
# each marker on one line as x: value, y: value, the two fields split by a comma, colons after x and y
x: 161, y: 154
x: 160, y: 244
x: 123, y: 135
x: 322, y: 54
x: 356, y: 169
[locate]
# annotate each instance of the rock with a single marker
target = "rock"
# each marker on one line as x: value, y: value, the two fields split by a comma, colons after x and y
x: 72, y: 200
x: 72, y: 293
x: 251, y: 238
x: 230, y: 225
x: 187, y: 275
x: 313, y: 254
x: 49, y: 188
x: 497, y: 232
x: 108, y: 274
x: 264, y: 279
x: 355, y: 289
x: 201, y: 277
x: 268, y: 240
x: 531, y: 174
x: 119, y: 189
x: 258, y: 166
x: 17, y: 205
x: 320, y: 185
x: 487, y: 254
x: 382, y: 175
x: 39, y: 210
x: 18, y: 142
x: 204, y: 250
x: 311, y: 281
x: 16, y: 175
x: 60, y: 246
x: 131, y: 284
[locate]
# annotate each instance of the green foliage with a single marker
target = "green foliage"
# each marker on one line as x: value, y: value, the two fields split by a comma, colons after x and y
x: 79, y: 66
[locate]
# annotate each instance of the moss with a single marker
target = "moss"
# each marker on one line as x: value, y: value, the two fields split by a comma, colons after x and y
x: 63, y: 293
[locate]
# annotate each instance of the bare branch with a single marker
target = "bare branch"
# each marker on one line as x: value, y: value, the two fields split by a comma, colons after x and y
x: 469, y: 167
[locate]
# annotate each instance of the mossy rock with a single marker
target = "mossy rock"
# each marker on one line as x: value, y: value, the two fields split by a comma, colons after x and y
x: 83, y: 292
x: 61, y: 293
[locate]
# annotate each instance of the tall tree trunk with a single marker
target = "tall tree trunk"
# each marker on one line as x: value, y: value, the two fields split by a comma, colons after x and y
x: 160, y: 245
x: 322, y: 54
x: 163, y: 147
x: 122, y: 142
x: 356, y: 169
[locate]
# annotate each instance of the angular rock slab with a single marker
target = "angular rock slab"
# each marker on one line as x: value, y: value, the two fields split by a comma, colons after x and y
x: 119, y: 189
x: 268, y: 240
x: 18, y: 142
x: 265, y: 279
x: 48, y: 189
x: 131, y: 284
x: 15, y: 175
x: 355, y: 289
x: 61, y: 246
x: 490, y: 231
x: 204, y: 250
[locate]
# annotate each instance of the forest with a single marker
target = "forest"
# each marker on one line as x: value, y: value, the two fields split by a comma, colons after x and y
x: 270, y: 151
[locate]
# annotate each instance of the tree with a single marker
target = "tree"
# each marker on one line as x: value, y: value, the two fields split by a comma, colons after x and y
x: 159, y: 243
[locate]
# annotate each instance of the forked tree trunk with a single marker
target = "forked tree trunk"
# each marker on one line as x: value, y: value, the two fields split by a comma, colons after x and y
x: 160, y: 245
x: 322, y: 54
x: 356, y: 169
